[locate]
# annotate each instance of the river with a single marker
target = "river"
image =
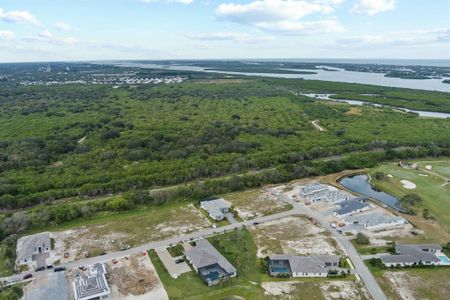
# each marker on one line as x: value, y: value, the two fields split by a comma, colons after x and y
x: 338, y: 76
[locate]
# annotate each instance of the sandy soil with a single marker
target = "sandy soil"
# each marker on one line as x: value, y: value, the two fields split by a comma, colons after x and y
x: 381, y: 237
x: 408, y: 184
x: 255, y: 203
x: 329, y: 290
x: 400, y: 283
x: 344, y: 290
x: 135, y: 278
x: 278, y: 288
x: 292, y: 235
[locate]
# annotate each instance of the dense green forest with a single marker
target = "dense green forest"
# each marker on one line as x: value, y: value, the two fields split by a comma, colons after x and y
x: 65, y: 145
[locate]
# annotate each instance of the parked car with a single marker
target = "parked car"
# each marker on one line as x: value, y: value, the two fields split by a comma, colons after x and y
x: 339, y: 231
x: 39, y: 269
x: 103, y: 253
x: 82, y: 268
x: 126, y: 247
x: 255, y: 223
x: 27, y: 276
x: 180, y: 260
x: 59, y: 269
x: 49, y: 267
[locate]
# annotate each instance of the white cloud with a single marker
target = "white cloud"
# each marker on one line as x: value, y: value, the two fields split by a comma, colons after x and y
x: 230, y: 36
x: 373, y: 7
x: 170, y: 1
x: 46, y: 34
x: 7, y: 35
x: 61, y: 26
x: 19, y: 16
x: 281, y: 15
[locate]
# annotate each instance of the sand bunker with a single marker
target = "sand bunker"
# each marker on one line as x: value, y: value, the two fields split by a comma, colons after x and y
x: 423, y: 175
x: 429, y: 167
x: 408, y: 184
x: 390, y: 175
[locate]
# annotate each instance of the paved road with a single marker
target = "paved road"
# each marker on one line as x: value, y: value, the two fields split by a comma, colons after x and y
x: 164, y: 243
x: 360, y: 268
x: 297, y: 209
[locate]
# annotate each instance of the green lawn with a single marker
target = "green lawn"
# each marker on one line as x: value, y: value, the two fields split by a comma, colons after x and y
x: 434, y: 194
x: 239, y: 249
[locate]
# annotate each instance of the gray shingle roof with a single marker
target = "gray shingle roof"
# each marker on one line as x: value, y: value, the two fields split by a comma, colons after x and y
x: 399, y: 259
x: 409, y: 253
x: 418, y: 251
x: 27, y: 244
x: 204, y: 254
x: 351, y: 205
x: 308, y: 264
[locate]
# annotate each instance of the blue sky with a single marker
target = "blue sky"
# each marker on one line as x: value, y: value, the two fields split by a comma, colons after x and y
x: 36, y: 30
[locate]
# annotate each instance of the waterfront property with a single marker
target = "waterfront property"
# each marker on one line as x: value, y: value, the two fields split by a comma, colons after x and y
x: 413, y: 255
x: 216, y: 208
x: 212, y: 267
x: 91, y: 283
x: 302, y: 266
x: 352, y: 206
x: 33, y: 250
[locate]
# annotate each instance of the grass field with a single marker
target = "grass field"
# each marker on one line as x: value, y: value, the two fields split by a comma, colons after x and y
x: 430, y: 185
x: 417, y: 283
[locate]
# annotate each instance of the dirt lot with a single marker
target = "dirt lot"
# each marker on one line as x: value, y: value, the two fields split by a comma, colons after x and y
x: 292, y: 235
x: 255, y: 203
x: 315, y: 290
x: 135, y: 278
x: 133, y: 229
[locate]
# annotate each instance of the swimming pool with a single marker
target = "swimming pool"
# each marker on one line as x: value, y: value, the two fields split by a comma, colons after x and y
x: 444, y: 259
x: 280, y: 270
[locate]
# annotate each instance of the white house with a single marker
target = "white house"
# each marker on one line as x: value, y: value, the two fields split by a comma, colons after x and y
x: 216, y: 208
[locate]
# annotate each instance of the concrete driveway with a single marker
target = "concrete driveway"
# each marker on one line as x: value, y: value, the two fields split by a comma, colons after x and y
x: 172, y: 267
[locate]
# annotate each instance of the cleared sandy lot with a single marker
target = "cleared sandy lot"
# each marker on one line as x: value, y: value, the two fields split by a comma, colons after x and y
x: 255, y: 203
x: 137, y: 229
x: 135, y: 278
x: 292, y: 235
x: 315, y: 290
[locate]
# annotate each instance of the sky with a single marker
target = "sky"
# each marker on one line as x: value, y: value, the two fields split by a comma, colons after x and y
x: 75, y: 30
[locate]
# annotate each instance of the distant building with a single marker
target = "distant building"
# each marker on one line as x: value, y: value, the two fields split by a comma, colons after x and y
x: 411, y: 255
x: 352, y: 206
x: 32, y: 250
x: 209, y: 263
x: 91, y: 283
x: 375, y: 220
x: 315, y: 192
x: 302, y: 266
x: 216, y: 208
